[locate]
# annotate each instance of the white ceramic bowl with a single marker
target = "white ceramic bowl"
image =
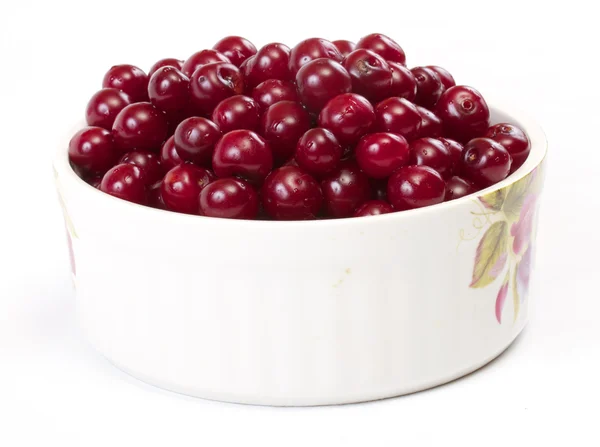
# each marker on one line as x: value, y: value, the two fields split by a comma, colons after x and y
x: 305, y: 313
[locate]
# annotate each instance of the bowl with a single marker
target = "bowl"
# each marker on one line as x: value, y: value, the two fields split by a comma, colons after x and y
x: 305, y: 313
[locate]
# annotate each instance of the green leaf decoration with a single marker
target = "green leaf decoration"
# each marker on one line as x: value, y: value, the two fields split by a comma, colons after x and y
x: 491, y: 250
x: 494, y: 200
x: 515, y: 290
x: 515, y: 197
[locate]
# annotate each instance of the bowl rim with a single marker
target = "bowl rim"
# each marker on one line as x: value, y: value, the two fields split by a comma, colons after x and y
x: 539, y: 149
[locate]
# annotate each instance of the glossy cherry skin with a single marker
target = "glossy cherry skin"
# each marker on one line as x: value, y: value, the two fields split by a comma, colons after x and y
x: 92, y: 150
x: 270, y: 62
x: 415, y: 187
x: 289, y: 193
x: 373, y: 208
x: 320, y: 80
x: 457, y: 187
x: 149, y: 164
x: 433, y: 153
x: 155, y: 199
x: 166, y: 62
x: 237, y: 112
x: 140, y: 126
x: 463, y: 112
x: 345, y: 189
x: 129, y: 79
x: 169, y: 158
x: 126, y: 182
x: 168, y: 90
x: 180, y: 189
x: 444, y: 75
x: 318, y: 152
x: 345, y: 47
x: 380, y: 154
x: 399, y: 116
x: 379, y: 189
x: 348, y: 116
x: 200, y: 59
x: 485, y: 162
x: 235, y: 48
x: 384, y: 46
x: 229, y: 198
x: 104, y: 106
x: 282, y: 125
x: 371, y: 75
x: 514, y: 141
x: 310, y: 49
x: 454, y: 148
x: 431, y: 125
x: 244, y: 154
x: 195, y: 139
x: 272, y: 91
x: 429, y: 86
x: 212, y: 83
x: 404, y: 83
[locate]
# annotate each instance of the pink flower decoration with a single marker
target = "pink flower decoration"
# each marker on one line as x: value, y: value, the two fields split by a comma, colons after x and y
x: 521, y: 230
x: 523, y: 270
x: 500, y: 299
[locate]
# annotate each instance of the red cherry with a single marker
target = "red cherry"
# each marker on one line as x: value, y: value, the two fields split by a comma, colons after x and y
x: 348, y: 116
x: 431, y: 125
x: 166, y: 62
x: 272, y: 91
x: 149, y: 164
x: 212, y: 83
x: 140, y: 126
x: 399, y: 116
x: 237, y: 112
x: 454, y: 148
x: 464, y: 113
x: 380, y: 154
x: 444, y: 75
x: 169, y: 158
x: 429, y: 86
x: 318, y: 152
x: 384, y: 46
x: 373, y: 208
x: 168, y: 90
x: 371, y: 75
x: 270, y: 62
x: 415, y: 187
x: 310, y: 49
x: 243, y: 153
x: 433, y: 153
x: 514, y: 141
x: 200, y: 59
x: 485, y: 162
x: 129, y: 79
x: 92, y: 150
x: 235, y: 48
x: 181, y: 187
x: 404, y: 83
x: 195, y: 139
x: 229, y: 198
x: 458, y: 187
x: 345, y: 189
x: 104, y: 106
x: 94, y: 181
x: 126, y: 182
x: 282, y: 125
x: 155, y: 199
x: 345, y: 47
x: 320, y: 80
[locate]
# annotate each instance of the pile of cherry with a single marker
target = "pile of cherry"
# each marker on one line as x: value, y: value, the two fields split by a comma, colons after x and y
x: 324, y: 130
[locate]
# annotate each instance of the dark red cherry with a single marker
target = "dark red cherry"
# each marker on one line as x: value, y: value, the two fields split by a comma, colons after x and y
x: 399, y: 116
x: 229, y: 198
x: 243, y: 153
x: 166, y: 62
x: 272, y: 91
x: 345, y: 189
x: 168, y: 90
x: 270, y: 62
x: 458, y: 187
x: 373, y: 208
x: 126, y: 182
x: 94, y: 181
x: 320, y: 80
x: 129, y: 79
x: 195, y: 139
x: 433, y: 153
x: 514, y: 141
x: 429, y: 86
x: 289, y: 193
x: 371, y: 75
x: 431, y: 125
x: 149, y: 164
x: 415, y: 187
x: 237, y: 112
x: 345, y: 47
x: 212, y: 83
x: 380, y: 154
x: 140, y: 126
x: 235, y: 48
x: 463, y: 112
x: 454, y: 148
x: 384, y: 46
x: 200, y: 59
x: 104, y: 106
x: 310, y: 49
x: 92, y: 150
x: 180, y: 189
x: 348, y: 116
x: 378, y: 189
x: 404, y: 83
x: 444, y: 75
x: 169, y: 158
x: 485, y: 162
x: 318, y: 152
x: 155, y: 199
x: 282, y: 125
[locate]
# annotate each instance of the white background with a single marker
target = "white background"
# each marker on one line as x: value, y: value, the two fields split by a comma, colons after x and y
x: 55, y: 391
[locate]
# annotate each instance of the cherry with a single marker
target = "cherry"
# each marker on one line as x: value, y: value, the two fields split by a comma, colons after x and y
x: 243, y: 153
x: 378, y: 189
x: 373, y: 208
x: 272, y: 91
x: 237, y: 112
x: 514, y: 141
x: 464, y: 113
x: 415, y: 187
x: 149, y: 164
x: 289, y: 193
x: 454, y: 148
x: 195, y: 139
x: 140, y: 126
x: 212, y: 83
x: 270, y: 62
x: 282, y: 125
x: 348, y: 116
x: 384, y: 46
x: 310, y: 49
x: 235, y: 48
x: 320, y: 80
x: 155, y: 199
x: 104, y: 106
x: 169, y: 158
x: 318, y: 152
x: 345, y: 47
x: 380, y: 154
x: 433, y: 153
x: 229, y: 198
x: 371, y: 75
x: 92, y: 150
x: 485, y: 162
x: 345, y: 189
x: 399, y: 116
x: 404, y: 83
x: 429, y: 86
x: 200, y: 59
x: 126, y: 182
x: 129, y: 79
x: 444, y: 75
x: 168, y: 90
x: 180, y: 189
x: 431, y: 125
x: 166, y: 62
x: 458, y: 187
x: 94, y: 181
